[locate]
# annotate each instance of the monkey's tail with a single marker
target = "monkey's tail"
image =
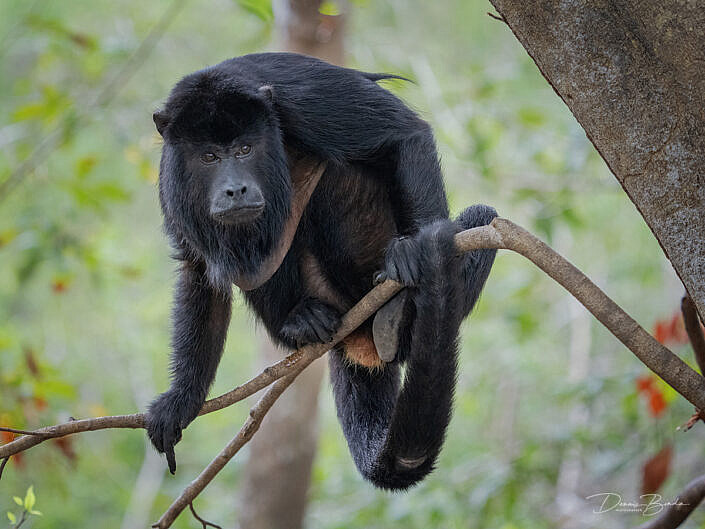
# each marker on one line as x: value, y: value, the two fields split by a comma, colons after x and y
x: 382, y: 76
x: 395, y: 436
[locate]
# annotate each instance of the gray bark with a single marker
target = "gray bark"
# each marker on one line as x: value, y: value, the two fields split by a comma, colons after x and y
x: 633, y: 74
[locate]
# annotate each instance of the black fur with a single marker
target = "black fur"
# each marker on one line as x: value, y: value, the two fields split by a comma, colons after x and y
x: 379, y: 205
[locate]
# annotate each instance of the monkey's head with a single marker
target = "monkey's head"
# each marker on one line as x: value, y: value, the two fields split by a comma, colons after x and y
x: 224, y: 184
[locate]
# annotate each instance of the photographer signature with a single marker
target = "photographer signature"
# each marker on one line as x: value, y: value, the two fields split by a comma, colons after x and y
x: 647, y: 504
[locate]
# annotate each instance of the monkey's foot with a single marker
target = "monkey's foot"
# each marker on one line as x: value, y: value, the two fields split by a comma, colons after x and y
x: 311, y: 321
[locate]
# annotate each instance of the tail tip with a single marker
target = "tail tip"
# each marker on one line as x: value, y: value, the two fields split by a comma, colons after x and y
x: 410, y: 463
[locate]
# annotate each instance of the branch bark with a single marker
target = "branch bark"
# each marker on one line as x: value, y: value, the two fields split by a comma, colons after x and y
x: 501, y: 234
x: 686, y: 502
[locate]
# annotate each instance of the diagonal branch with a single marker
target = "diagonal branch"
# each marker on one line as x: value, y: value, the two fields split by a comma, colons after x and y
x: 686, y: 502
x: 500, y: 234
x: 248, y: 429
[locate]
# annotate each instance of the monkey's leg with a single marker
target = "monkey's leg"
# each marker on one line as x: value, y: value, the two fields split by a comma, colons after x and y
x: 395, y: 436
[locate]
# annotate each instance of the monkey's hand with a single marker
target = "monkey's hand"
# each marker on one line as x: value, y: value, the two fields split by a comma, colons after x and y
x: 310, y: 321
x: 409, y: 260
x: 167, y: 416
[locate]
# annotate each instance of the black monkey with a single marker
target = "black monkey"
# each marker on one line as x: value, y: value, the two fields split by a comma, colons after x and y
x: 298, y: 181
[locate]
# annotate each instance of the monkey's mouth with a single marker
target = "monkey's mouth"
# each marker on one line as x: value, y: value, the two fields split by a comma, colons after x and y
x: 239, y: 214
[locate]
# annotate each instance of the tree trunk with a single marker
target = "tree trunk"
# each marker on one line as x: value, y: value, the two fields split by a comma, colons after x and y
x: 278, y: 470
x: 302, y: 29
x: 631, y: 71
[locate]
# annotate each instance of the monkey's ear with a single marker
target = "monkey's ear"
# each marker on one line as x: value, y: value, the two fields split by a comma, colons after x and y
x: 267, y: 92
x: 161, y: 120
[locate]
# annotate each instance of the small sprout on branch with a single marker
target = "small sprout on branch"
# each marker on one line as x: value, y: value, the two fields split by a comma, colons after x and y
x: 28, y: 509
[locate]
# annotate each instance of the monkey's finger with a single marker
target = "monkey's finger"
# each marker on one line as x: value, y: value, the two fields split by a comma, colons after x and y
x: 171, y: 459
x: 318, y: 327
x: 379, y: 277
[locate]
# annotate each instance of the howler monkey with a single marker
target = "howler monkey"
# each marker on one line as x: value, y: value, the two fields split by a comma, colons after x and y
x: 298, y: 181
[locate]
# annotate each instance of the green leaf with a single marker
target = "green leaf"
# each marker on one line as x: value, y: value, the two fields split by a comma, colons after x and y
x: 85, y: 165
x: 329, y: 8
x: 11, y: 517
x: 36, y: 513
x: 29, y: 111
x: 30, y: 499
x: 18, y: 500
x: 260, y: 8
x: 531, y: 117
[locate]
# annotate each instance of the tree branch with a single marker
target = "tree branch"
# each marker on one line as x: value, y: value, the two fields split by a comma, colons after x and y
x: 501, y: 234
x: 686, y: 502
x: 248, y: 429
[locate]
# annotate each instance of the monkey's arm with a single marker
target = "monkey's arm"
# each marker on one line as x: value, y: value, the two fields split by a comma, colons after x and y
x: 200, y: 320
x: 416, y: 184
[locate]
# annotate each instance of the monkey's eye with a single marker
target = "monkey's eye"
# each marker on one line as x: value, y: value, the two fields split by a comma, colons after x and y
x: 209, y: 157
x: 244, y: 151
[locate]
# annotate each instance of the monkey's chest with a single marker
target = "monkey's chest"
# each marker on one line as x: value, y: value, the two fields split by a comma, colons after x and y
x: 348, y: 225
x: 358, y: 346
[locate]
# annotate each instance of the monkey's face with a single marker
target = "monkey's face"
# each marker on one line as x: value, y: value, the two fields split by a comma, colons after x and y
x: 229, y: 157
x: 230, y: 176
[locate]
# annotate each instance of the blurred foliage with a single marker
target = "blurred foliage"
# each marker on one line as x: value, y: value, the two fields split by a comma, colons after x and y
x: 544, y: 391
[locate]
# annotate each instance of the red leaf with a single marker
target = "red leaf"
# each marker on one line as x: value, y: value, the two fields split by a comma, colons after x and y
x: 656, y: 470
x: 671, y: 329
x: 65, y: 444
x: 657, y: 404
x: 59, y: 286
x: 40, y: 403
x: 661, y: 331
x: 645, y: 383
x: 6, y: 438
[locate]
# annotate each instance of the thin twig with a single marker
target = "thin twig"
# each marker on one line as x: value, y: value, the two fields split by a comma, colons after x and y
x: 204, y: 523
x: 22, y: 432
x: 697, y: 416
x: 694, y: 330
x: 497, y: 17
x: 685, y: 503
x: 676, y: 373
x: 2, y: 464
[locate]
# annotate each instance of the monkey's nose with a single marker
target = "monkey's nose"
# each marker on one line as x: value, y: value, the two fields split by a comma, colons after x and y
x: 235, y: 191
x: 237, y: 202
